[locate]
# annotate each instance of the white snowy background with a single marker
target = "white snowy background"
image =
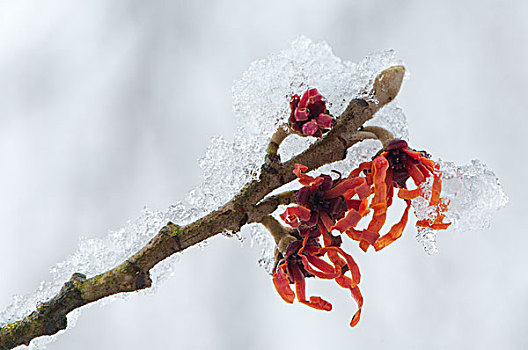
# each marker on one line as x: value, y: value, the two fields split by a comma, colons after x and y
x: 106, y: 107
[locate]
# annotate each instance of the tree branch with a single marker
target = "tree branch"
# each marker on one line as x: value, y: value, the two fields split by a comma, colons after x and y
x: 247, y: 206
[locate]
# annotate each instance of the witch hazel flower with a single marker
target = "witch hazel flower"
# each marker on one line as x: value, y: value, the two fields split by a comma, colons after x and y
x: 309, y: 115
x: 304, y: 259
x: 325, y: 205
x: 391, y: 169
x: 320, y: 205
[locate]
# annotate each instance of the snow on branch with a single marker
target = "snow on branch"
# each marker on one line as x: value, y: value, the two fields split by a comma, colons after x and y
x: 303, y: 114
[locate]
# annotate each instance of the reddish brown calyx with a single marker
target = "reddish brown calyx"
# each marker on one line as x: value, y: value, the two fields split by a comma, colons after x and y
x: 309, y: 115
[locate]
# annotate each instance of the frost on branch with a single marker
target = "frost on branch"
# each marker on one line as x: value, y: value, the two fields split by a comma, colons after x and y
x: 474, y: 194
x: 93, y: 256
x: 261, y: 106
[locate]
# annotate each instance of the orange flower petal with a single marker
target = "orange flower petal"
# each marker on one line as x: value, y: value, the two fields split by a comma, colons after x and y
x: 356, y: 294
x: 304, y: 179
x: 436, y: 190
x: 395, y: 231
x: 345, y: 186
x: 318, y: 303
x: 409, y: 194
x: 321, y: 273
x: 282, y: 285
x: 350, y: 220
x: 379, y: 202
x: 352, y: 266
x: 360, y: 168
x: 293, y: 215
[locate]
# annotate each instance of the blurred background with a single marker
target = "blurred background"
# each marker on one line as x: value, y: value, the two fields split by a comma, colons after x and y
x: 106, y: 106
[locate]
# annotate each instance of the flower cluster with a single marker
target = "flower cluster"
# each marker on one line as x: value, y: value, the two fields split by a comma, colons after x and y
x: 309, y: 115
x: 326, y: 205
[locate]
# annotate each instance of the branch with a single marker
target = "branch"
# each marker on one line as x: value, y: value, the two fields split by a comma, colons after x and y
x: 247, y: 206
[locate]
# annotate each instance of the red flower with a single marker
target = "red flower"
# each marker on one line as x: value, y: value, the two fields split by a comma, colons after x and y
x: 305, y: 259
x: 322, y: 202
x: 391, y: 169
x: 309, y: 115
x: 325, y: 204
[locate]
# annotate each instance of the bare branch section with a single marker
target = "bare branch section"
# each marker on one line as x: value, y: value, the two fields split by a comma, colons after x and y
x: 250, y: 205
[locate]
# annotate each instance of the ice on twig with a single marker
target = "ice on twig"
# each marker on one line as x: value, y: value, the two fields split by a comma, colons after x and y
x: 261, y: 104
x: 261, y: 99
x: 474, y: 195
x: 93, y: 256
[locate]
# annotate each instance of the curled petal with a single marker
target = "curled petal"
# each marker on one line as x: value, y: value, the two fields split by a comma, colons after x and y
x: 356, y: 294
x: 346, y: 283
x: 281, y: 282
x: 324, y: 269
x: 293, y: 215
x: 409, y: 194
x: 425, y: 170
x: 378, y: 218
x: 350, y: 220
x: 438, y: 222
x: 363, y: 166
x: 380, y: 166
x: 379, y: 202
x: 318, y: 303
x: 395, y: 231
x: 436, y: 189
x: 320, y: 264
x: 315, y: 302
x: 304, y: 179
x: 362, y: 191
x: 364, y: 235
x: 352, y: 266
x: 328, y: 239
x: 344, y: 186
x: 427, y: 163
x: 364, y: 245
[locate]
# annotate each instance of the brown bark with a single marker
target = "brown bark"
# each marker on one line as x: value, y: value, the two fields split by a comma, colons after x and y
x: 249, y: 205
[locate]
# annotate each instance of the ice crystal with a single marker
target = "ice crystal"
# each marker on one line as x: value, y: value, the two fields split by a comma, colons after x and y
x: 261, y: 105
x: 474, y: 195
x: 261, y: 99
x: 93, y: 257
